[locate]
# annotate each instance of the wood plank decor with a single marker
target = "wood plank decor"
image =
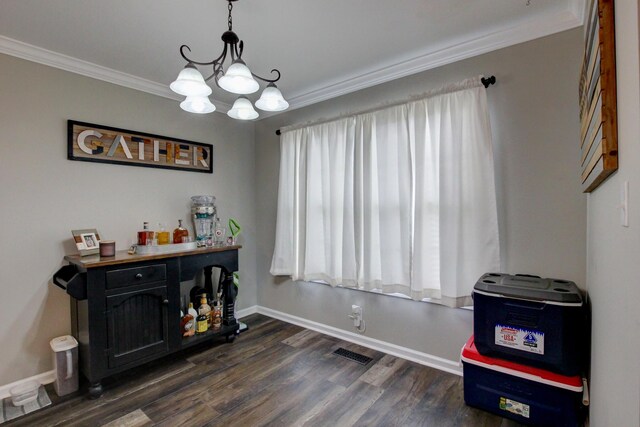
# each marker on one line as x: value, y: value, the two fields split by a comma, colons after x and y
x: 89, y: 142
x: 598, y: 112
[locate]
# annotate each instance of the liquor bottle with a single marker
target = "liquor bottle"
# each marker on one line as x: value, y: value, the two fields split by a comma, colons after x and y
x: 201, y: 324
x: 179, y: 233
x: 163, y: 235
x: 205, y: 309
x: 187, y: 323
x: 143, y: 234
x: 216, y: 323
x: 192, y: 311
x: 195, y: 295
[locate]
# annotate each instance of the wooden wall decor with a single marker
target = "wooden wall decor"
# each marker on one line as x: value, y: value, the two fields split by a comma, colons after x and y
x: 598, y: 113
x: 89, y: 142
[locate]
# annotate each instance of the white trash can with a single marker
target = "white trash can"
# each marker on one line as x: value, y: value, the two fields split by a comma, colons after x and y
x: 65, y: 362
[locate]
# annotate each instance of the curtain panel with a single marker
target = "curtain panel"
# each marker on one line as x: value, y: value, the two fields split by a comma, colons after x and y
x: 399, y: 200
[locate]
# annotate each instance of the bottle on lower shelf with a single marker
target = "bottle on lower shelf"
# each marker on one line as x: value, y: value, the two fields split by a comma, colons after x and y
x: 216, y: 322
x: 187, y: 324
x: 205, y: 309
x: 201, y: 325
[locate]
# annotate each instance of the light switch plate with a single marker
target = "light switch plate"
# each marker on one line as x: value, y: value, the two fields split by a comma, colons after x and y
x: 624, y: 204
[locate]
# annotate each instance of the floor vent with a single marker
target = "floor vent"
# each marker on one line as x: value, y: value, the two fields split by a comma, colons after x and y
x: 351, y: 355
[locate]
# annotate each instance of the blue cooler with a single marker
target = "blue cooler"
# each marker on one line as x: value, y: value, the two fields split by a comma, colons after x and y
x: 533, y: 321
x: 527, y: 395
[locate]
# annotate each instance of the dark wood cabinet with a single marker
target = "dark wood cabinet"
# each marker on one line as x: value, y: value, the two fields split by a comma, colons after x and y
x: 137, y: 325
x: 126, y: 309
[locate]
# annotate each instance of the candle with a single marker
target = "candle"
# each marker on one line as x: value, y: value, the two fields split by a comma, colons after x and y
x: 107, y: 248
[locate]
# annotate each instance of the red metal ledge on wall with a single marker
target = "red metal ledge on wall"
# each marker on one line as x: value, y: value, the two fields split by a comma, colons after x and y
x: 89, y: 142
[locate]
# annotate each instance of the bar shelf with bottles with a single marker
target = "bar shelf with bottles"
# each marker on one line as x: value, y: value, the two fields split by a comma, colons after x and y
x: 206, y: 317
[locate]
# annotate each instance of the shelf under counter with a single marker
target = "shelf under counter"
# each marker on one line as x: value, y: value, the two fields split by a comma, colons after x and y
x: 224, y: 331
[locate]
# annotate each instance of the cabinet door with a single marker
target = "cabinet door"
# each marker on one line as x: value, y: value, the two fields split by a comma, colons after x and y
x: 137, y: 325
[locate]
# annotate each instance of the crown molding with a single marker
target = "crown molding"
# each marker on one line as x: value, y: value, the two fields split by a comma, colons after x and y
x: 487, y: 42
x: 484, y: 43
x: 53, y: 59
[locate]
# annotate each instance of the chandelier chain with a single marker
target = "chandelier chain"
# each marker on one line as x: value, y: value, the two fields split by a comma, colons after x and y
x: 230, y: 20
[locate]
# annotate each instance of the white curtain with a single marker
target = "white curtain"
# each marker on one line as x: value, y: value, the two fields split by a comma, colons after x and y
x: 400, y: 200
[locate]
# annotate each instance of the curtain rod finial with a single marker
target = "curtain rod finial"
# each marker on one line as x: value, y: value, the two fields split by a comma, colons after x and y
x: 488, y: 81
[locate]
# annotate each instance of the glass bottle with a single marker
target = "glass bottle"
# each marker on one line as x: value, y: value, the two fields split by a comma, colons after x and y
x: 187, y: 323
x: 179, y: 233
x: 201, y: 324
x: 192, y: 311
x: 205, y: 309
x: 216, y: 323
x: 143, y: 234
x: 163, y: 235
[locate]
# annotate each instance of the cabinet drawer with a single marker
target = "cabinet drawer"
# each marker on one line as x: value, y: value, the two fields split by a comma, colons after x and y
x: 136, y: 276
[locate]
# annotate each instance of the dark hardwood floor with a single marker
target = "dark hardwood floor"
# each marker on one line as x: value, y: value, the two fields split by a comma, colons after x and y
x: 275, y: 374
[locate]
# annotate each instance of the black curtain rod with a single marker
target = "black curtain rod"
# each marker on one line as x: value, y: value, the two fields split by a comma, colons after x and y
x: 486, y: 81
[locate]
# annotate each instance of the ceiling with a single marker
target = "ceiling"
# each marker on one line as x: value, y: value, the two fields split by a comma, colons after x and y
x: 323, y: 48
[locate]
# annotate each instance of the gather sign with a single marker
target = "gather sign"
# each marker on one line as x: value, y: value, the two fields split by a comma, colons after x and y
x: 96, y: 143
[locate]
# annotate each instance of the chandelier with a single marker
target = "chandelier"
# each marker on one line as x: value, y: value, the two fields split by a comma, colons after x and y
x: 237, y: 79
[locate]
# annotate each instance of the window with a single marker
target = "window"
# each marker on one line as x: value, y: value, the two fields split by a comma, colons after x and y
x: 401, y: 199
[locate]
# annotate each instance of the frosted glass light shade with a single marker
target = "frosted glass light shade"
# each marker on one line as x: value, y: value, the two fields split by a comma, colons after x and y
x: 272, y: 99
x: 238, y: 79
x: 242, y: 110
x: 190, y: 83
x: 198, y: 105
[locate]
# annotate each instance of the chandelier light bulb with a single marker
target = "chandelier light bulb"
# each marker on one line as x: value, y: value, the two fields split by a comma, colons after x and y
x: 272, y: 99
x: 242, y: 110
x: 238, y: 79
x: 198, y: 105
x: 190, y: 83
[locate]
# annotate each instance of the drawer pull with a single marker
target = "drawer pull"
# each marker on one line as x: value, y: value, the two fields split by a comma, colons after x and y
x: 165, y: 302
x: 139, y: 276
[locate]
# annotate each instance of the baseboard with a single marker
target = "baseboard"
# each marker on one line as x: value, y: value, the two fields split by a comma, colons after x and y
x: 246, y: 311
x: 385, y: 347
x: 43, y: 378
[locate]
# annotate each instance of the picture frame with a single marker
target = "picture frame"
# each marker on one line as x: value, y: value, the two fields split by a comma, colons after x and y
x: 597, y: 95
x: 87, y: 241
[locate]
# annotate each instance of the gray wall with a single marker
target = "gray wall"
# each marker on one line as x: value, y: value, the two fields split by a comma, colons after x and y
x: 613, y: 273
x: 541, y: 208
x: 44, y: 195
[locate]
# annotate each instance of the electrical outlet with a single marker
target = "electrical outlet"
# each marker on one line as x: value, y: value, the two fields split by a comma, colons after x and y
x: 356, y: 315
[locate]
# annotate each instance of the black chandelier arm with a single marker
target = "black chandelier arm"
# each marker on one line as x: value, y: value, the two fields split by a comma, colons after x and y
x: 219, y: 59
x: 239, y: 52
x: 268, y: 80
x: 217, y: 70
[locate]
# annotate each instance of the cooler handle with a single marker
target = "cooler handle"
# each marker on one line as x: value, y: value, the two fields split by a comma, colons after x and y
x: 585, y: 393
x: 69, y: 364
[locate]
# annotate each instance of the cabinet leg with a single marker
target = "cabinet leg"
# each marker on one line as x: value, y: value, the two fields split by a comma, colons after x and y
x: 95, y: 390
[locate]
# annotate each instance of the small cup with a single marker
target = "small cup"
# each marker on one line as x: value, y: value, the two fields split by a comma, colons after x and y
x: 107, y: 248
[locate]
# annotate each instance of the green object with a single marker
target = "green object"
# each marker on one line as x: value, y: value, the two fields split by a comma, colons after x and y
x: 234, y: 227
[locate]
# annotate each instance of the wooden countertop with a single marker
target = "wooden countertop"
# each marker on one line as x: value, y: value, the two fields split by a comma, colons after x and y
x: 123, y: 257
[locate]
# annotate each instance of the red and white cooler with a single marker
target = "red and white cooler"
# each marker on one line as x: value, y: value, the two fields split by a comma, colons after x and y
x: 522, y: 393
